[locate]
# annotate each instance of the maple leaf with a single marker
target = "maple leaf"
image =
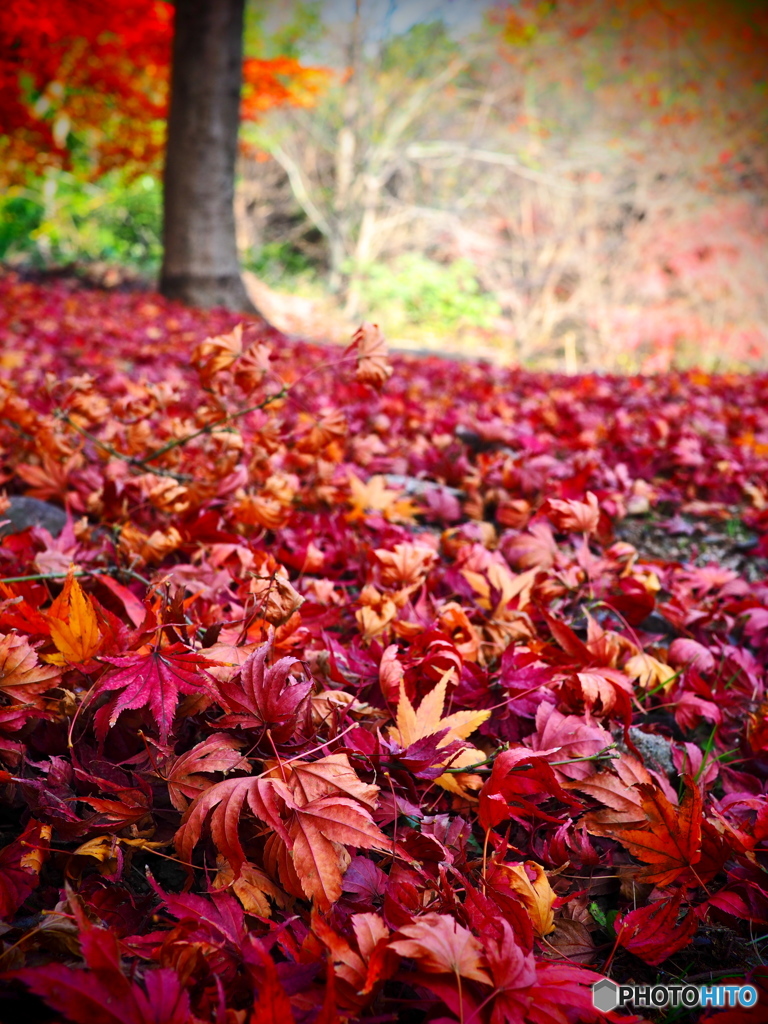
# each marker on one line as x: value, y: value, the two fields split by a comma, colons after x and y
x: 330, y: 427
x: 604, y: 687
x: 617, y: 790
x: 319, y: 831
x: 20, y: 864
x: 374, y: 496
x: 328, y: 809
x: 73, y: 624
x: 371, y: 350
x: 559, y: 737
x: 265, y: 697
x: 415, y: 725
x: 574, y: 515
x: 154, y: 681
x: 253, y: 888
x: 653, y: 933
x: 442, y: 946
x: 649, y: 671
x: 378, y: 611
x: 497, y: 579
x: 362, y: 968
x: 319, y: 810
x: 216, y: 354
x: 513, y: 972
x: 218, y: 919
x: 217, y: 753
x: 425, y: 758
x: 331, y: 775
x: 223, y: 802
x: 406, y: 566
x: 518, y: 782
x: 276, y: 597
x: 534, y: 549
x: 670, y: 844
x: 683, y: 651
x: 535, y: 893
x: 22, y: 677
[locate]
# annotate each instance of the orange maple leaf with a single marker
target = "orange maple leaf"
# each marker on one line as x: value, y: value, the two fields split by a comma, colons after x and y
x: 617, y: 789
x: 575, y: 515
x: 22, y: 676
x: 329, y: 807
x: 371, y: 349
x: 670, y: 843
x: 217, y: 753
x: 406, y: 566
x: 74, y: 628
x: 314, y: 811
x: 362, y: 968
x: 252, y: 887
x: 216, y: 354
x: 442, y: 946
x: 332, y: 775
x: 320, y: 831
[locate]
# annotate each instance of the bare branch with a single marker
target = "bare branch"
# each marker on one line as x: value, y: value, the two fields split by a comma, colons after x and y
x: 459, y: 151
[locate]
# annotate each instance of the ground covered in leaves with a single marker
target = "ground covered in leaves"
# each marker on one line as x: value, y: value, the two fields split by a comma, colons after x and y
x: 358, y: 688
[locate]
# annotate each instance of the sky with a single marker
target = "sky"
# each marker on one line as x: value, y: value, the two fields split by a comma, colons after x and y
x: 385, y: 18
x: 399, y: 15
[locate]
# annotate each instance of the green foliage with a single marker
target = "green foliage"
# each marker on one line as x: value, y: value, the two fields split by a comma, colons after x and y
x: 415, y: 290
x: 60, y: 218
x: 299, y: 26
x: 421, y: 51
x: 280, y: 264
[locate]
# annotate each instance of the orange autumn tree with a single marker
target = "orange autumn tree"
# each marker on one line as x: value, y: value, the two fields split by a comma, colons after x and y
x: 80, y: 78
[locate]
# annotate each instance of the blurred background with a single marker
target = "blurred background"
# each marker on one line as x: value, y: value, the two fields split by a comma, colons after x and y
x: 574, y: 185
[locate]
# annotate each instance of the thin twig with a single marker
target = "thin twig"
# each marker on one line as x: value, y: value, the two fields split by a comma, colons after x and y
x: 601, y: 755
x: 130, y: 460
x: 208, y: 428
x: 116, y: 571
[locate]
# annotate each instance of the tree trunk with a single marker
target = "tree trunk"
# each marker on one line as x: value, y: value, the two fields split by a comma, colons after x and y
x: 200, y: 264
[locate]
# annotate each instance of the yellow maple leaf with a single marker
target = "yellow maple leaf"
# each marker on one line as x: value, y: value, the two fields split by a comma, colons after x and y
x: 506, y: 583
x: 536, y: 895
x: 374, y: 496
x: 649, y: 671
x: 74, y: 628
x: 412, y: 725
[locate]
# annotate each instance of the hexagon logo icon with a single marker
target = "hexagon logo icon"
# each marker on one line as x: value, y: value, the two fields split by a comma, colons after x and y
x: 605, y: 995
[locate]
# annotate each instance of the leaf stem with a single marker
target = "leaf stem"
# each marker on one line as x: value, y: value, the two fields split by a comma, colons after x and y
x: 207, y: 429
x: 131, y: 460
x: 601, y: 755
x: 116, y: 571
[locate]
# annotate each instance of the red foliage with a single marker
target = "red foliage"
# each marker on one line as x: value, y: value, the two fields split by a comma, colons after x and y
x: 354, y: 697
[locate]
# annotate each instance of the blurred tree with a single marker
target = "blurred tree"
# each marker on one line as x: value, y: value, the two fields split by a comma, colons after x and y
x: 653, y: 115
x: 85, y: 84
x: 346, y: 161
x: 200, y: 263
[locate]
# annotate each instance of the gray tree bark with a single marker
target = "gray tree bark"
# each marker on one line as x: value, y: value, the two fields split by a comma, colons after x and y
x: 200, y: 264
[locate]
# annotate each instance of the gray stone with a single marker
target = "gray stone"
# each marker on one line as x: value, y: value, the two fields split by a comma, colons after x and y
x: 656, y: 750
x: 414, y: 485
x: 24, y: 512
